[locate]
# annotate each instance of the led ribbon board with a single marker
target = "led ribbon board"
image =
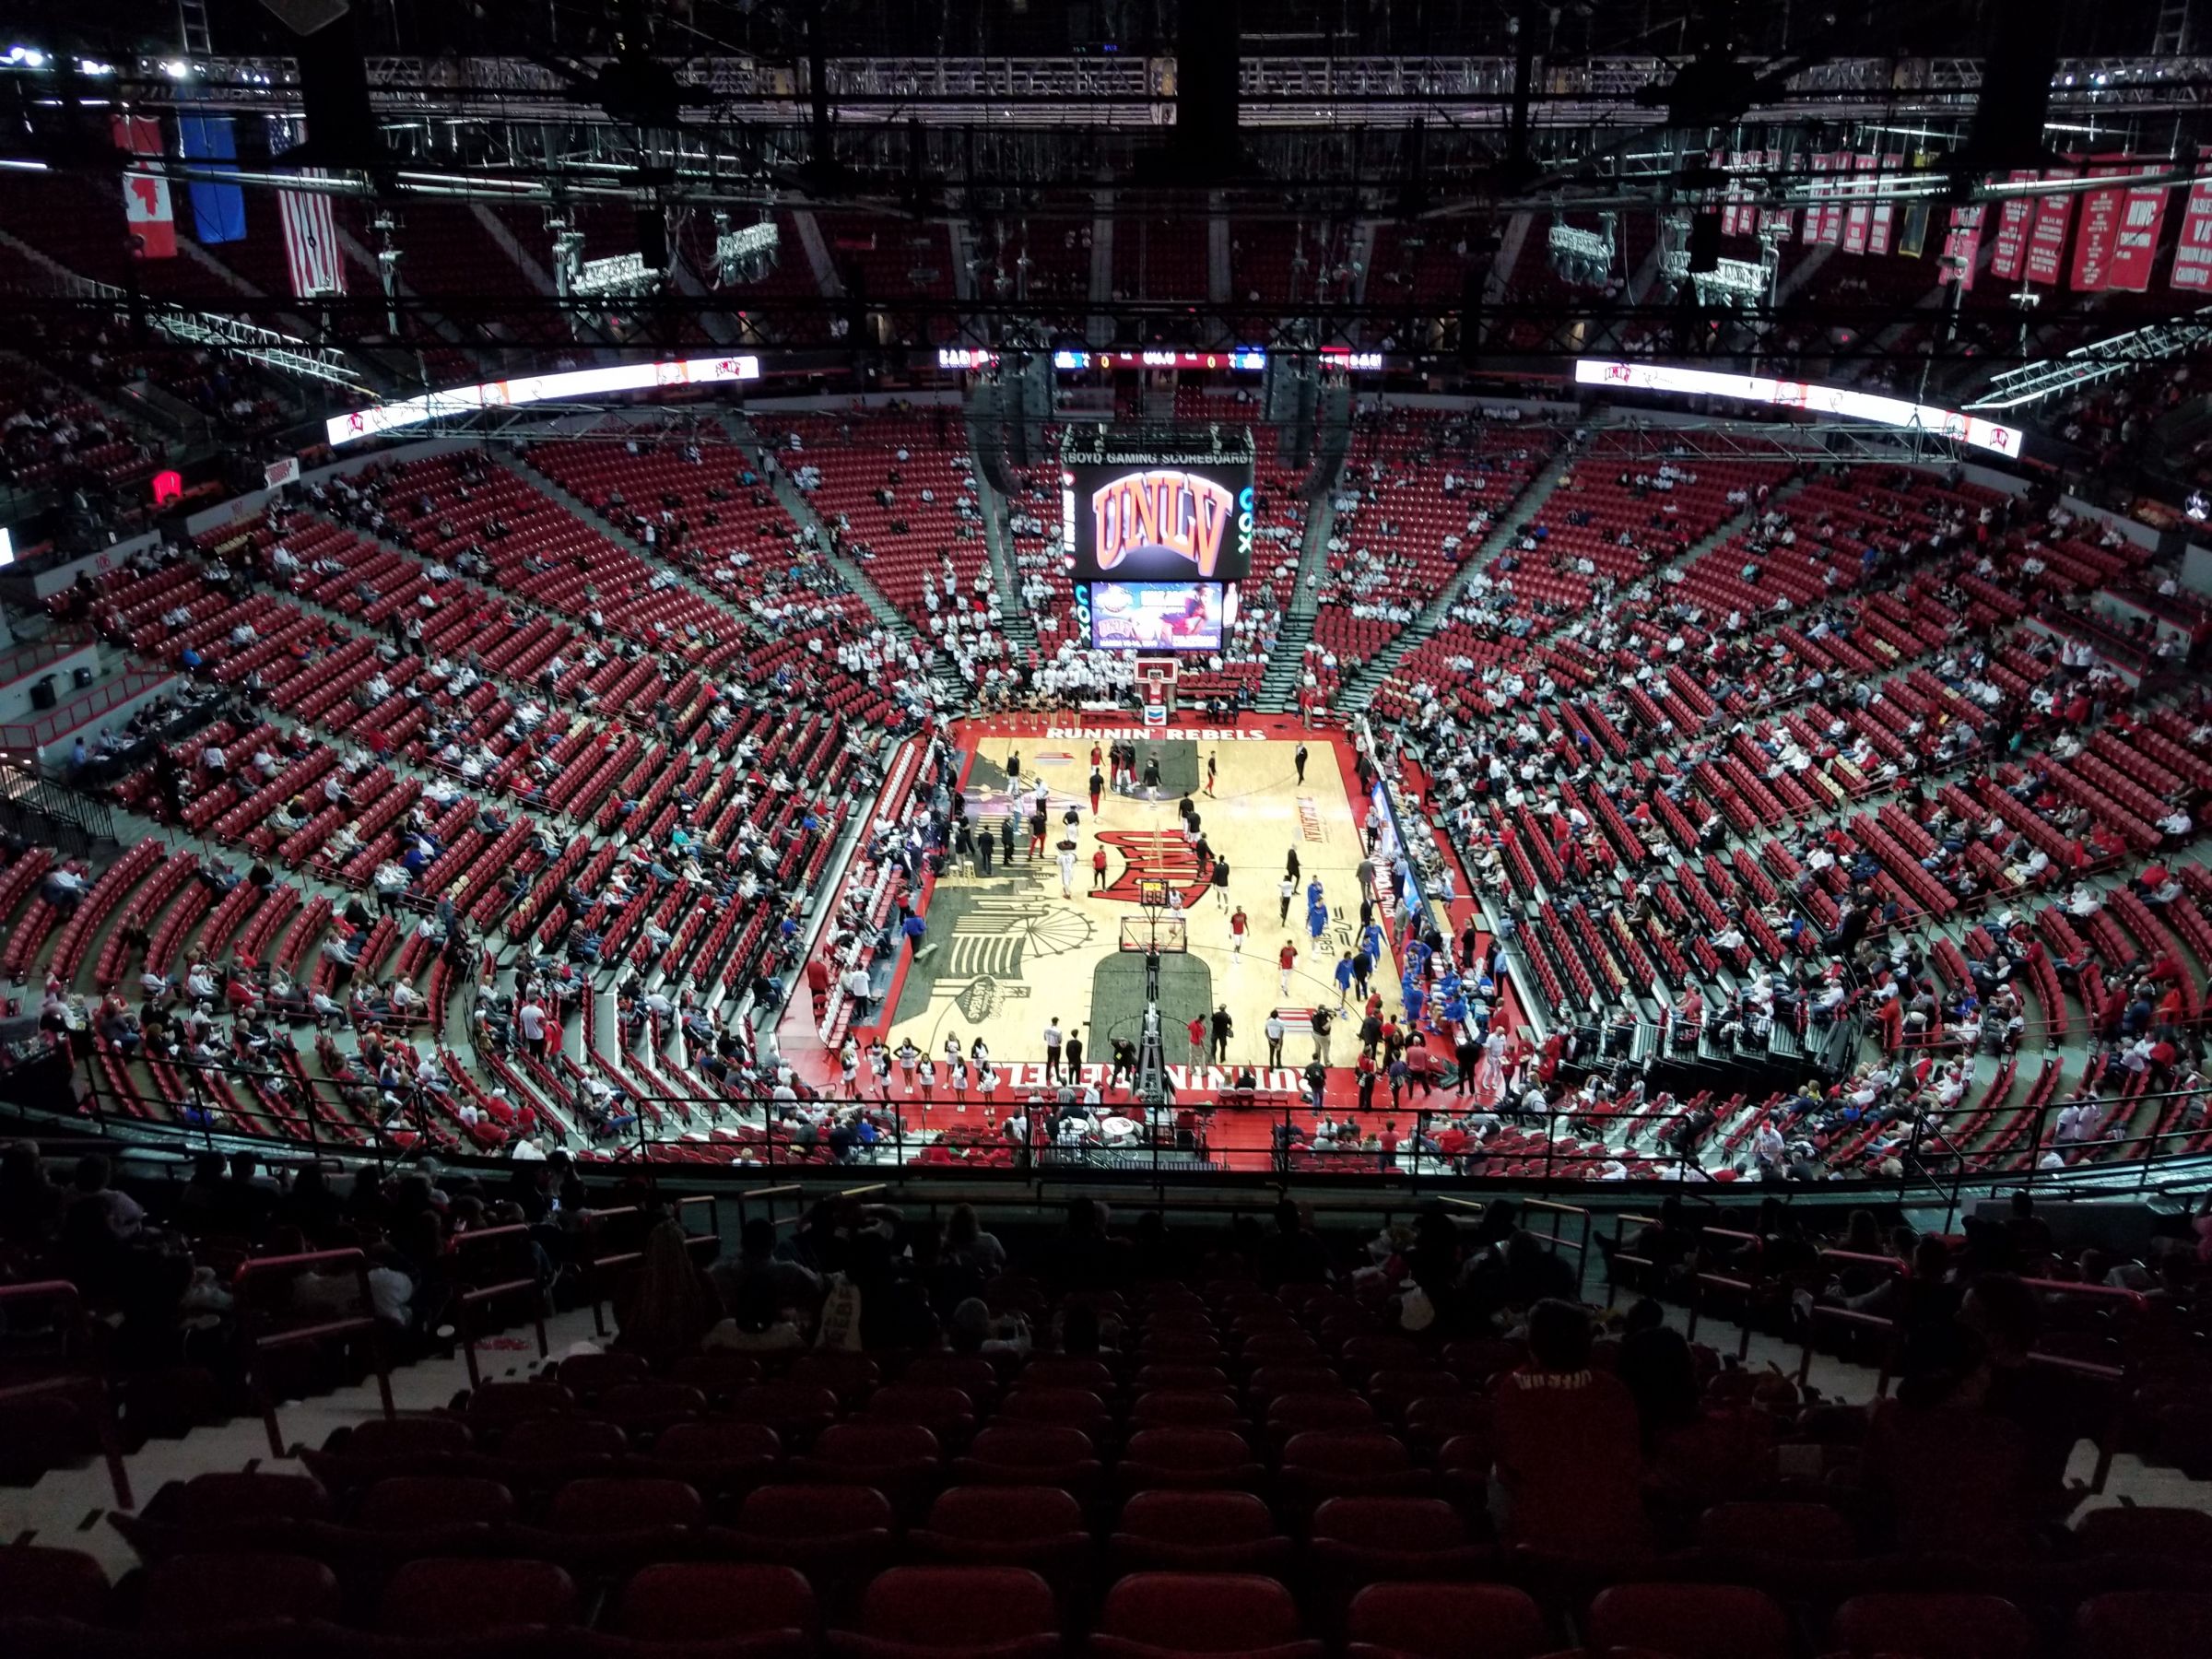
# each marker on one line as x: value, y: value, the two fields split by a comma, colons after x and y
x: 456, y: 401
x: 1799, y: 394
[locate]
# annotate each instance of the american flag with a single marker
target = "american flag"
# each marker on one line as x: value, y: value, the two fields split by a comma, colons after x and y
x: 311, y: 254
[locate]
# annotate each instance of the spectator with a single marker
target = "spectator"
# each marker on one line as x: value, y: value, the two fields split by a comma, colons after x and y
x: 1569, y: 1464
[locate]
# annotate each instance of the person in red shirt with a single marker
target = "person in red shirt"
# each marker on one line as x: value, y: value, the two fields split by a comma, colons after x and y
x: 1570, y: 1462
x: 1286, y: 958
x: 1097, y: 870
x: 1237, y: 922
x: 1197, y: 1030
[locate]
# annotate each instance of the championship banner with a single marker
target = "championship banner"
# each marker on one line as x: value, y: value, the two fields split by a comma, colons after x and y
x: 1735, y: 218
x: 1824, y: 219
x: 1963, y: 242
x: 2047, y: 234
x: 2141, y: 216
x: 2011, y: 251
x: 1859, y: 217
x: 1778, y: 222
x: 2098, y: 238
x: 2193, y: 253
x: 1877, y: 232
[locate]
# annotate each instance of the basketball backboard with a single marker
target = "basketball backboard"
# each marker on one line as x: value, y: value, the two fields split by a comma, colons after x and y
x: 1169, y: 935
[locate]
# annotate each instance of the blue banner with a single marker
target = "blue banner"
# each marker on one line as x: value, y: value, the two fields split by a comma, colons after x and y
x: 218, y: 211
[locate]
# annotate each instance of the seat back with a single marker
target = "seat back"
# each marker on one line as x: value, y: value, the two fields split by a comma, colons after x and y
x: 202, y: 1592
x: 440, y: 1597
x: 37, y: 1582
x: 2180, y: 1534
x: 624, y: 1504
x: 1196, y: 1518
x: 224, y: 1499
x: 562, y: 1439
x: 1005, y: 1515
x: 1445, y: 1621
x: 1689, y: 1621
x: 2144, y: 1624
x: 1401, y: 1525
x: 1807, y: 1532
x: 407, y: 1503
x: 1200, y: 1612
x: 814, y: 1511
x: 958, y: 1606
x: 1931, y: 1627
x: 702, y: 1601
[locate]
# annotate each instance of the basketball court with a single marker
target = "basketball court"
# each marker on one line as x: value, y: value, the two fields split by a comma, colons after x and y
x: 1009, y: 951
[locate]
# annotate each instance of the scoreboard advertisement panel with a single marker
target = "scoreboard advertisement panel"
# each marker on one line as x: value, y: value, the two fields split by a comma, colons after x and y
x: 1159, y: 615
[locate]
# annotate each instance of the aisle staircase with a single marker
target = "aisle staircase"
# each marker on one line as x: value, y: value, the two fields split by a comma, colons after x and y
x: 1359, y: 688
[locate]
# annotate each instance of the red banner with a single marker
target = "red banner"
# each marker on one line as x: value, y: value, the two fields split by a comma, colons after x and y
x: 2047, y: 234
x: 1735, y: 218
x: 2140, y: 217
x: 1877, y: 233
x: 1779, y: 222
x: 1824, y: 220
x: 1962, y: 242
x: 2099, y: 237
x: 2193, y: 253
x: 146, y: 209
x: 1859, y: 216
x: 2007, y: 257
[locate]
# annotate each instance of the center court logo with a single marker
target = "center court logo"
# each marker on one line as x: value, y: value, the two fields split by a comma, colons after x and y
x: 1152, y: 853
x: 1167, y: 509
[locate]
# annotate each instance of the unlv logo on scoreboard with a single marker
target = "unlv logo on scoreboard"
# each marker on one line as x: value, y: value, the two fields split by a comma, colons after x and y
x: 1166, y: 508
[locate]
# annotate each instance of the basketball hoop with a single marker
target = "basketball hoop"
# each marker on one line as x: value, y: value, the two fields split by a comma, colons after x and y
x: 1156, y: 679
x: 1156, y: 934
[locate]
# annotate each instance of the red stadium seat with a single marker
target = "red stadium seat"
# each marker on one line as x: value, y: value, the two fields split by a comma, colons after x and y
x: 1444, y: 1621
x: 206, y: 1591
x: 2144, y: 1624
x: 455, y: 1598
x: 771, y: 1608
x: 1150, y: 1615
x: 1198, y: 1531
x: 1689, y: 1621
x: 975, y: 1612
x: 1931, y: 1627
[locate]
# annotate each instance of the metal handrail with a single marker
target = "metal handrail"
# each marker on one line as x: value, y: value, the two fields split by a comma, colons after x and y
x: 474, y: 1296
x: 261, y: 1342
x: 1749, y: 1286
x: 75, y: 1321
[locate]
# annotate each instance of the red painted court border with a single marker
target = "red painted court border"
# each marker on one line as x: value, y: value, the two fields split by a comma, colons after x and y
x: 969, y: 733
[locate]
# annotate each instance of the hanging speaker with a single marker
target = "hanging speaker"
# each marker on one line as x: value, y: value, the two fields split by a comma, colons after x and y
x: 306, y: 17
x: 333, y: 84
x: 1470, y: 314
x: 2008, y: 130
x: 1705, y: 240
x: 1305, y: 399
x: 653, y: 237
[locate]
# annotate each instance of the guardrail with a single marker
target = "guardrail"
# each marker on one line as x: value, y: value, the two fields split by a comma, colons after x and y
x: 1563, y: 1160
x: 110, y: 693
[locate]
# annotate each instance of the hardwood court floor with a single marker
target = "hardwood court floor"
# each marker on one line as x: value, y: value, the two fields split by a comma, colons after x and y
x: 1008, y: 952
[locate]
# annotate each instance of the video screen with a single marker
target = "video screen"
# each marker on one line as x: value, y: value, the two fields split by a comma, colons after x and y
x: 1158, y: 616
x: 1164, y: 522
